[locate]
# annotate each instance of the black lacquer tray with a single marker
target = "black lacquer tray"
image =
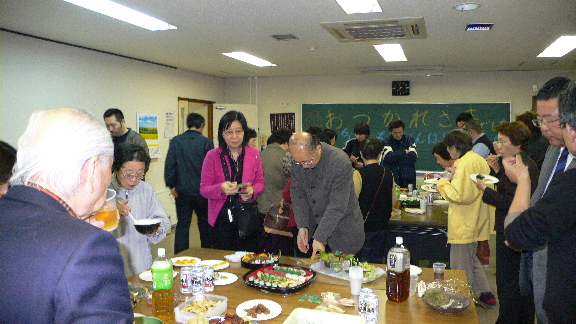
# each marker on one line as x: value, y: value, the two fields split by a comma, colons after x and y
x: 310, y: 275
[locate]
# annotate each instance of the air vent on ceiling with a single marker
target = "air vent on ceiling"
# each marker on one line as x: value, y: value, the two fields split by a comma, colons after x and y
x: 284, y: 37
x: 374, y: 30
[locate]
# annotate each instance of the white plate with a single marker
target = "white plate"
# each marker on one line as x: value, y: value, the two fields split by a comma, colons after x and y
x: 147, y: 275
x: 184, y: 264
x: 488, y: 179
x: 431, y: 181
x: 274, y: 307
x: 428, y: 188
x: 233, y: 257
x: 413, y: 270
x: 225, y: 278
x: 440, y: 202
x: 415, y: 210
x: 221, y: 264
x: 222, y: 318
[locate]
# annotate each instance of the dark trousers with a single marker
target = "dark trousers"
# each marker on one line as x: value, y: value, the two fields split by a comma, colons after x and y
x: 514, y: 308
x: 225, y: 235
x: 185, y: 205
x: 374, y: 249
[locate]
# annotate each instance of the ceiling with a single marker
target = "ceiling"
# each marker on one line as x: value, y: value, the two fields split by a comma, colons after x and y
x: 207, y: 28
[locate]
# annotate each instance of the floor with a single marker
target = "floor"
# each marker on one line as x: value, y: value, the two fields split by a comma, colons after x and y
x: 485, y: 315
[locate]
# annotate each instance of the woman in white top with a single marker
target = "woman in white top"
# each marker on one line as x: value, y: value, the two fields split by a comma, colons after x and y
x: 138, y: 198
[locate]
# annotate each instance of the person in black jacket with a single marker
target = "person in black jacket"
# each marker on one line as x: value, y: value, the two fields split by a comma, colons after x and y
x: 515, y: 307
x: 376, y: 199
x: 182, y: 172
x: 361, y: 131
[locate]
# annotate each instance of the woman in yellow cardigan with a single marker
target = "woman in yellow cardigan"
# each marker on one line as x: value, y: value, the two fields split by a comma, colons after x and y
x: 468, y: 217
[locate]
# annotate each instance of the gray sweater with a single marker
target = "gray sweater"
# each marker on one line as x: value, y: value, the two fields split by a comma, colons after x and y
x: 324, y: 201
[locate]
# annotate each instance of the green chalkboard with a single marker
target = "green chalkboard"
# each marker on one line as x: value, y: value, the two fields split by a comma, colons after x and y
x: 428, y: 123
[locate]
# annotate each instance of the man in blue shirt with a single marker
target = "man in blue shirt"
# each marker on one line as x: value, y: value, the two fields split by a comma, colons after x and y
x: 400, y: 154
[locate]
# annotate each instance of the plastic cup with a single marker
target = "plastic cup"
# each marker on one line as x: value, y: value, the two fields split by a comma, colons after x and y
x: 356, y: 273
x: 413, y: 284
x: 439, y: 269
x: 108, y: 213
x: 423, y: 203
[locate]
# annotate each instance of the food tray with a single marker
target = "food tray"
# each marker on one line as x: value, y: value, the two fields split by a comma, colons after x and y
x: 248, y: 265
x: 182, y: 317
x: 321, y: 268
x: 305, y: 315
x: 309, y: 275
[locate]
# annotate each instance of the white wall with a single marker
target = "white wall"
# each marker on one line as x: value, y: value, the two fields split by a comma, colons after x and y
x: 37, y: 74
x: 287, y: 94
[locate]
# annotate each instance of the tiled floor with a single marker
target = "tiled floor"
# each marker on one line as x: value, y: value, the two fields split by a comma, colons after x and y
x: 485, y: 315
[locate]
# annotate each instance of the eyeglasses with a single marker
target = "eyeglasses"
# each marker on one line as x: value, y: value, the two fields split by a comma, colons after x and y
x: 306, y: 162
x: 500, y: 143
x: 238, y: 132
x: 139, y: 176
x: 539, y: 123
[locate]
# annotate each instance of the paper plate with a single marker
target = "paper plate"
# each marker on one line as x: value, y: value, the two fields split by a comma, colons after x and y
x: 431, y: 181
x: 147, y: 275
x: 274, y: 307
x: 217, y: 264
x: 429, y: 188
x: 440, y: 202
x: 225, y: 278
x: 488, y: 179
x: 415, y: 210
x: 184, y: 261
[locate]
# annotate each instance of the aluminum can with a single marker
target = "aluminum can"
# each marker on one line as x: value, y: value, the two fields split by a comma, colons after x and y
x: 430, y: 198
x: 363, y: 293
x: 415, y: 193
x: 197, y: 280
x: 185, y: 280
x: 208, y: 278
x: 370, y: 309
x: 410, y: 189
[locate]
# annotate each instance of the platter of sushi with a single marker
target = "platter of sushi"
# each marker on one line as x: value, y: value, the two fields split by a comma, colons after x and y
x: 279, y: 278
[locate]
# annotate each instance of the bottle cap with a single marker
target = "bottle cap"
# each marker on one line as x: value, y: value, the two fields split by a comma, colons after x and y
x: 162, y: 251
x: 399, y: 240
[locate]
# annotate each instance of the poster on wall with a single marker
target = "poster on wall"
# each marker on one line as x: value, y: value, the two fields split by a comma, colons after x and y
x: 169, y: 124
x: 148, y: 127
x: 284, y: 120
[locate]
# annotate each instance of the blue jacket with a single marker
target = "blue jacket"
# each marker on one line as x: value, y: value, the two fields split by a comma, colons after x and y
x: 401, y: 163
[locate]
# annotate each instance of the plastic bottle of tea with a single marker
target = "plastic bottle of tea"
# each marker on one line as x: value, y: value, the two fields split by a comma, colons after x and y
x: 398, y: 279
x: 163, y: 282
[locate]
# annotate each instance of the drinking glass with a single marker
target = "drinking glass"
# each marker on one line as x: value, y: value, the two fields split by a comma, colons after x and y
x: 108, y: 213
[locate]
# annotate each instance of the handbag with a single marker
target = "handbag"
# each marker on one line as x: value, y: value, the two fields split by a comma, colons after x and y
x: 276, y: 221
x: 248, y: 218
x: 483, y: 253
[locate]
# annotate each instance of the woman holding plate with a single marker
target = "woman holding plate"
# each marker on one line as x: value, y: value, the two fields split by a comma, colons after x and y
x: 515, y: 307
x: 468, y: 216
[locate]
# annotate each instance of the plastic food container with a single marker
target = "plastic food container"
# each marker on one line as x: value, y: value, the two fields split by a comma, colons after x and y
x: 182, y: 317
x: 320, y: 317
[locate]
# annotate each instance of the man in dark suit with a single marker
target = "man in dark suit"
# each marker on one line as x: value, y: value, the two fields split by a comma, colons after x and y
x: 57, y: 266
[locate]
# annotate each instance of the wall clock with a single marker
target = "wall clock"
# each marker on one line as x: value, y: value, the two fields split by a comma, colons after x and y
x: 400, y: 88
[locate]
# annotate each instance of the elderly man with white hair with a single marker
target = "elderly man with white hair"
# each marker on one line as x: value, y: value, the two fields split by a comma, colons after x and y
x: 56, y: 267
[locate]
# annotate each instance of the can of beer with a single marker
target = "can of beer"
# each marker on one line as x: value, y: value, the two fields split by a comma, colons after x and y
x: 185, y: 277
x: 208, y: 278
x: 415, y: 193
x: 363, y: 293
x: 370, y: 308
x: 197, y: 280
x: 430, y: 198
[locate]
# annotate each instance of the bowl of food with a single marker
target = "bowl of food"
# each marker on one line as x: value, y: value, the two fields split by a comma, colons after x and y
x: 445, y: 301
x: 147, y: 225
x: 257, y: 260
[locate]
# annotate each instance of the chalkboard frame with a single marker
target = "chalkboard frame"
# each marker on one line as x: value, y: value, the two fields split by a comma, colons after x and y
x: 432, y: 119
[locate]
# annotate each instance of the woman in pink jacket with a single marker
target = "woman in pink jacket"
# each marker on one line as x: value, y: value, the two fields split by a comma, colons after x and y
x: 245, y: 181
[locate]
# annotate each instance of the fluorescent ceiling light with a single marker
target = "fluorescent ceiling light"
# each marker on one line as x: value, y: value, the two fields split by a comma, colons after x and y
x: 359, y: 6
x: 391, y: 52
x: 120, y: 12
x: 250, y: 59
x: 560, y: 47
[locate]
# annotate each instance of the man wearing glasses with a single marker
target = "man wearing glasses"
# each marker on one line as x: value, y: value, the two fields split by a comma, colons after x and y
x: 549, y: 122
x: 325, y: 204
x: 551, y: 220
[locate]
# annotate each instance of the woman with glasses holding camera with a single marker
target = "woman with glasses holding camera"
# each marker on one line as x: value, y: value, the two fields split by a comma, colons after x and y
x: 135, y: 198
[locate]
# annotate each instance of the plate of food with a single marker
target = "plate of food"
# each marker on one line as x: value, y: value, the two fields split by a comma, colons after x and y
x: 259, y: 309
x: 279, y: 278
x: 147, y: 275
x: 488, y: 179
x: 257, y: 260
x: 217, y: 264
x: 228, y: 318
x: 445, y: 301
x: 429, y: 188
x: 431, y: 181
x: 184, y: 261
x: 224, y: 278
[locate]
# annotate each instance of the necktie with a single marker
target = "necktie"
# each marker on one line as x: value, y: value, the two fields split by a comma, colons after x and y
x: 561, y: 164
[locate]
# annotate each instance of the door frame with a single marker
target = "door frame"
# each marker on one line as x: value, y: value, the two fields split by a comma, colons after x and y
x: 210, y: 116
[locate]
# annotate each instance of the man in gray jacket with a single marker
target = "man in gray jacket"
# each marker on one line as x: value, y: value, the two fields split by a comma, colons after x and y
x: 116, y: 125
x: 323, y: 198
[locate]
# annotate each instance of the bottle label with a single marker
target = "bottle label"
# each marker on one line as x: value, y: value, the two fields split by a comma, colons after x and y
x: 162, y: 277
x: 397, y: 262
